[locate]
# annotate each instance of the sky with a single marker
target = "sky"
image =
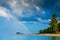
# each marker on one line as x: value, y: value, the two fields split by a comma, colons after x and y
x: 26, y: 16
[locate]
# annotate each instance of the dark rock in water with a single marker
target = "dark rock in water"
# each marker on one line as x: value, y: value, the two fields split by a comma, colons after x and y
x: 18, y: 33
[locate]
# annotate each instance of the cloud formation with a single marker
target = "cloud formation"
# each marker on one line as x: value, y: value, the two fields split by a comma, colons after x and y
x: 4, y: 12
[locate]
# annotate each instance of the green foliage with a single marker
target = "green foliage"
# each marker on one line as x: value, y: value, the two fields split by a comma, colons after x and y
x: 54, y: 38
x: 54, y: 23
x: 54, y: 26
x: 59, y: 27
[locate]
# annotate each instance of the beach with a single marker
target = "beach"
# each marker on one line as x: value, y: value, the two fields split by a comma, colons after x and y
x: 39, y: 34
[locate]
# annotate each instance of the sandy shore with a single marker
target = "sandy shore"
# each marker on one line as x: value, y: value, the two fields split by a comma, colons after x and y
x: 49, y: 34
x: 39, y: 34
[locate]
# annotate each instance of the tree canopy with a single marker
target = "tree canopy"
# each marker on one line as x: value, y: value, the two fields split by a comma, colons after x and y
x: 54, y: 25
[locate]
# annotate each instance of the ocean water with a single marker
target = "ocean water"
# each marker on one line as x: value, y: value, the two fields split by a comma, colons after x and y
x: 38, y: 38
x: 34, y: 38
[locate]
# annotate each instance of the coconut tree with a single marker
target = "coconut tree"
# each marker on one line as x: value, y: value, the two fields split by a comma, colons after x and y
x: 54, y: 24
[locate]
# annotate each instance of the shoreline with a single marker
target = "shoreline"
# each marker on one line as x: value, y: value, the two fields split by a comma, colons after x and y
x: 39, y: 34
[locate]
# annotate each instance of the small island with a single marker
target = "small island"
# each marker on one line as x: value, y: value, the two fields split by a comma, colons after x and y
x: 54, y: 26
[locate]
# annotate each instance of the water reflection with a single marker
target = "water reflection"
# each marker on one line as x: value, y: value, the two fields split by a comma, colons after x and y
x: 55, y: 38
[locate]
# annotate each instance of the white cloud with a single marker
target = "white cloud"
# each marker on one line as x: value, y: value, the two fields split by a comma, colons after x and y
x: 16, y: 7
x: 37, y: 8
x: 43, y: 21
x: 25, y: 4
x: 4, y: 12
x: 19, y: 6
x: 39, y: 19
x: 32, y: 22
x: 12, y: 3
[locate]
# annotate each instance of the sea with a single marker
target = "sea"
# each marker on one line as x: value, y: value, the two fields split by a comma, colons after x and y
x: 38, y: 38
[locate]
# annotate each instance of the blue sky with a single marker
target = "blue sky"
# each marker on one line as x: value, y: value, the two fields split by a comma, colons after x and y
x: 26, y: 16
